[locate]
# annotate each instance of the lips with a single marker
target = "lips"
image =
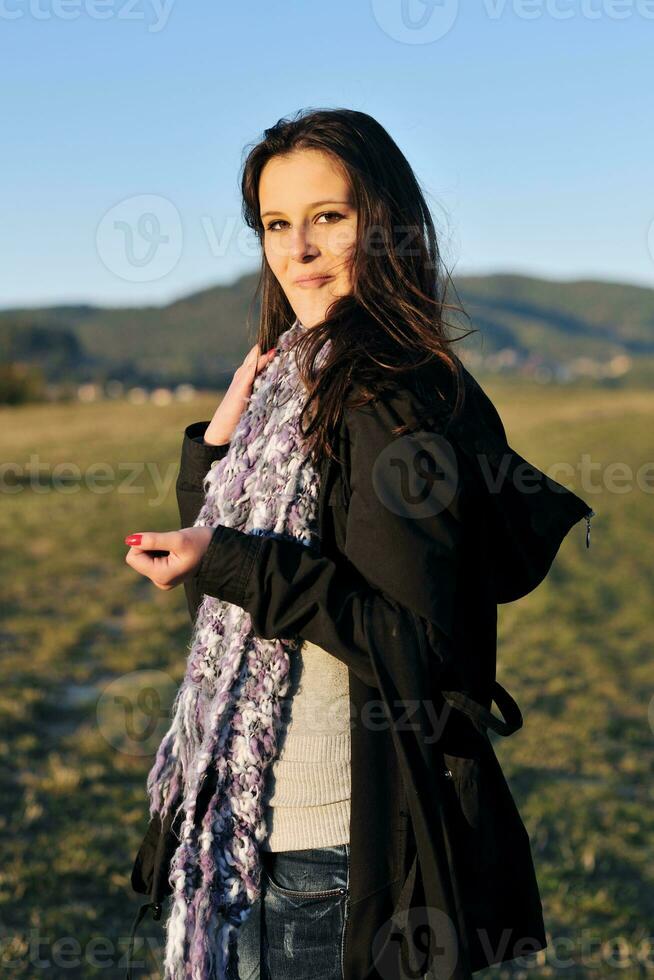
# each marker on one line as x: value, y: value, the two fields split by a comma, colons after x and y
x: 307, y: 281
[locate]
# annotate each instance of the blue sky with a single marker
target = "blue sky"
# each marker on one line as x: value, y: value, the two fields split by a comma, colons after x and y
x: 527, y: 123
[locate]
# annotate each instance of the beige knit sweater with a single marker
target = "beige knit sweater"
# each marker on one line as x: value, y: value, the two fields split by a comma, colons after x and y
x: 307, y: 794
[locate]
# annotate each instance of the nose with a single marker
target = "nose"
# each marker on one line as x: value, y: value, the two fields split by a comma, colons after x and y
x: 301, y: 245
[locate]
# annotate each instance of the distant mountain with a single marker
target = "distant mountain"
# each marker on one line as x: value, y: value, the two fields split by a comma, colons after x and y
x: 201, y: 338
x: 560, y: 319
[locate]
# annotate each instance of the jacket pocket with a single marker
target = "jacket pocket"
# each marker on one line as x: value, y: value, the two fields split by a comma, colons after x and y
x: 484, y: 823
x: 463, y: 808
x: 464, y: 774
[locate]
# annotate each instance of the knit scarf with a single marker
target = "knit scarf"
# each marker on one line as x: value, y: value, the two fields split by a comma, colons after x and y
x: 226, y: 710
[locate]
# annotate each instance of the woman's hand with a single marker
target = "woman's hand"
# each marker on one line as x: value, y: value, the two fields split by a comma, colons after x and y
x: 226, y: 416
x: 168, y: 557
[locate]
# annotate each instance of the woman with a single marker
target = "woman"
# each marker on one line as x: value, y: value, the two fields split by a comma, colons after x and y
x: 422, y: 865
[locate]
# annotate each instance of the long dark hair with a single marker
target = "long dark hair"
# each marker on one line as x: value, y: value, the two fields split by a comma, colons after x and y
x: 391, y: 324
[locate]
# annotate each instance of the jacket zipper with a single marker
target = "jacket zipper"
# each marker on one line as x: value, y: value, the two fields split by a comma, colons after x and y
x: 591, y: 513
x: 347, y: 907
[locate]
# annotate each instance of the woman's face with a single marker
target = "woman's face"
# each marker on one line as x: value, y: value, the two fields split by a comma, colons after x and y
x: 309, y: 226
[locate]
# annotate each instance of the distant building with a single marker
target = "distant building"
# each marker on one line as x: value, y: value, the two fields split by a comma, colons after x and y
x: 185, y: 392
x: 137, y: 395
x: 89, y: 392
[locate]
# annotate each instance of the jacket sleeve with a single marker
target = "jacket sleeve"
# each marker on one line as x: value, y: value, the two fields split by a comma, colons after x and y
x: 197, y: 457
x: 289, y: 589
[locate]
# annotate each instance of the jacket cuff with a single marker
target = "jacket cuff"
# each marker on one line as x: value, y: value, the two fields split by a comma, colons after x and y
x: 197, y: 456
x: 225, y: 569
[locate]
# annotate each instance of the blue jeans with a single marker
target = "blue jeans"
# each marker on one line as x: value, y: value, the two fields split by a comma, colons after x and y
x: 295, y: 930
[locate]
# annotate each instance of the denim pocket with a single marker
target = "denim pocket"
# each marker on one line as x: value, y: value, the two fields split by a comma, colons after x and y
x: 306, y: 874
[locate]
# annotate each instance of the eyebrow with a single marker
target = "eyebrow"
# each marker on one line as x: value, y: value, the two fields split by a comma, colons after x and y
x: 315, y: 204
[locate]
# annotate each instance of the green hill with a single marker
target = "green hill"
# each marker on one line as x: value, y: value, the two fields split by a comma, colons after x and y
x: 522, y: 323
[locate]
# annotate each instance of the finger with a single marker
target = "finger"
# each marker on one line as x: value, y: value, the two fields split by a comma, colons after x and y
x: 146, y: 563
x: 153, y: 540
x: 265, y: 359
x: 165, y: 572
x: 141, y: 562
x: 252, y: 354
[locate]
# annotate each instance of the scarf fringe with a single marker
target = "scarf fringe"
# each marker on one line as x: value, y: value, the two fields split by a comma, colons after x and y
x: 226, y: 712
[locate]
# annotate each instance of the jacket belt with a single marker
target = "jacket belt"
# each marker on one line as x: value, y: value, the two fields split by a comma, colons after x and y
x: 482, y: 717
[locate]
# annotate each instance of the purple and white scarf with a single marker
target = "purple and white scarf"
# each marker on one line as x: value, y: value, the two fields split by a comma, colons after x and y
x: 227, y: 709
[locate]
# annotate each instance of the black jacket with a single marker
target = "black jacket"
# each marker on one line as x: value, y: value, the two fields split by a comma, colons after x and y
x: 404, y: 591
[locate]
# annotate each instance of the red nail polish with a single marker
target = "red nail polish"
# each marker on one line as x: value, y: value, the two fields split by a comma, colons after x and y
x: 134, y: 539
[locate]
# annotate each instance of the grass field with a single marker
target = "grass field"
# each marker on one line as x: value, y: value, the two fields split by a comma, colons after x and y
x: 93, y: 653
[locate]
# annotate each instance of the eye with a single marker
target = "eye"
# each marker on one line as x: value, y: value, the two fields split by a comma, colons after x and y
x: 324, y: 214
x: 330, y: 214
